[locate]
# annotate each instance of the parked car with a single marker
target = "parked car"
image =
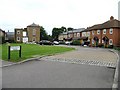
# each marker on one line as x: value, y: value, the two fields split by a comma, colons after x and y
x: 86, y: 43
x: 55, y: 42
x: 45, y: 42
x: 67, y: 42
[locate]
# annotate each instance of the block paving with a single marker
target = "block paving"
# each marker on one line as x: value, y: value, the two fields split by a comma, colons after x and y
x: 89, y: 56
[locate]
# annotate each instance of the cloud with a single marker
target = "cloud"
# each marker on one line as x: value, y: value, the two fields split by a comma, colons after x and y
x: 56, y: 13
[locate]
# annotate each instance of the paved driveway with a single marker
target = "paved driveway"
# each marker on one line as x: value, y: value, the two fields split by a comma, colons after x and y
x: 64, y: 71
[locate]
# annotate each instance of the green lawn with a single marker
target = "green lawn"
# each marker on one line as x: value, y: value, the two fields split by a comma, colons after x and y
x: 30, y: 50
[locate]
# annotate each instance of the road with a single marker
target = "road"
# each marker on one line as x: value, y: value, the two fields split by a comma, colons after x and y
x: 54, y: 74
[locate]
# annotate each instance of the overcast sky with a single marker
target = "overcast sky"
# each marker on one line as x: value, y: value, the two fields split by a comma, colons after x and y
x: 55, y: 13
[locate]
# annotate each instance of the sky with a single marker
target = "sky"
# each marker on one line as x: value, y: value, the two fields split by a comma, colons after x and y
x: 55, y: 13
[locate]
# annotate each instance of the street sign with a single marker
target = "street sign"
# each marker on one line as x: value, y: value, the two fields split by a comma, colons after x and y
x: 12, y: 48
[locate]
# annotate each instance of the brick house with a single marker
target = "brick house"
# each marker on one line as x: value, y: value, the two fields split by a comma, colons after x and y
x: 29, y: 34
x: 71, y: 35
x: 107, y: 33
x: 2, y: 36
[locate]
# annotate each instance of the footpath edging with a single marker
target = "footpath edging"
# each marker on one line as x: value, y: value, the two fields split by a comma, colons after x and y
x: 115, y: 82
x: 26, y: 60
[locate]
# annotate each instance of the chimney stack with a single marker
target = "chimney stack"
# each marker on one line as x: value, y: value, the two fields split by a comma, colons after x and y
x: 111, y: 18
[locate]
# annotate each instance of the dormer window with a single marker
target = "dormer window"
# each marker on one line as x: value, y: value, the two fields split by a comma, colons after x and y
x: 104, y: 31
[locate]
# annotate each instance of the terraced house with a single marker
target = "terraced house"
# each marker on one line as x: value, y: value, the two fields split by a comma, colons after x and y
x: 71, y: 35
x: 107, y: 33
x: 29, y: 34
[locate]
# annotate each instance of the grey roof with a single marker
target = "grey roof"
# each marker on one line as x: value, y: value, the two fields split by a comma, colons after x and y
x: 10, y: 33
x: 33, y: 25
x: 76, y: 30
x: 2, y: 30
x: 73, y: 31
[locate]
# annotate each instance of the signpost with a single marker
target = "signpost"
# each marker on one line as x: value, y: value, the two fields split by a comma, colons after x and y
x: 14, y: 48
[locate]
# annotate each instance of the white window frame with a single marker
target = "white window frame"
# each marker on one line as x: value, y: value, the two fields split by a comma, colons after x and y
x: 93, y: 33
x: 24, y: 33
x: 98, y: 31
x: 88, y: 34
x: 104, y: 31
x: 84, y: 34
x: 18, y: 32
x: 69, y: 35
x: 78, y: 34
x: 34, y: 31
x: 75, y: 34
x: 110, y: 41
x: 111, y: 31
x: 93, y: 42
x: 18, y: 38
x: 102, y: 41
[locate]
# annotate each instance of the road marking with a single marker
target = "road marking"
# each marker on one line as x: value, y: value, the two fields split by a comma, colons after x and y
x: 87, y: 62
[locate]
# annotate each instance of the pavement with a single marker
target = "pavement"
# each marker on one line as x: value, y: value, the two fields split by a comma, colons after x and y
x: 95, y: 61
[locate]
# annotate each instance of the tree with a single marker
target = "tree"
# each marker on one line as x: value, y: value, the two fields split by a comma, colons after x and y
x: 43, y: 34
x: 64, y: 28
x: 50, y: 38
x: 56, y: 32
x: 70, y: 29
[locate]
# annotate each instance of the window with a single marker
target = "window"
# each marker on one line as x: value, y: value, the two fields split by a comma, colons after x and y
x: 69, y: 35
x: 111, y: 31
x: 18, y: 32
x: 98, y: 31
x: 74, y: 34
x: 83, y: 34
x: 110, y: 42
x: 78, y: 34
x: 18, y: 38
x: 92, y: 41
x: 104, y: 31
x: 34, y: 32
x: 92, y: 32
x: 102, y: 41
x: 24, y: 33
x: 99, y: 41
x: 88, y: 34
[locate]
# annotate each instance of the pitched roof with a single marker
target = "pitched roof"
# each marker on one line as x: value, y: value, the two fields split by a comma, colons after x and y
x: 33, y: 25
x: 10, y: 33
x: 112, y: 23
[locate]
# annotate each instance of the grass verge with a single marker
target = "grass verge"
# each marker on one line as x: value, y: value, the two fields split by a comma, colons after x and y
x: 32, y: 50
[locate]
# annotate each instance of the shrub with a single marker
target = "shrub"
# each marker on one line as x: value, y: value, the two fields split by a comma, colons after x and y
x: 100, y: 45
x: 61, y: 42
x: 110, y: 46
x: 76, y: 42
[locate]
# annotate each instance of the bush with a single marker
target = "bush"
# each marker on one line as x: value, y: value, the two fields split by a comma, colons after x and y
x: 110, y: 46
x: 76, y: 42
x: 100, y: 45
